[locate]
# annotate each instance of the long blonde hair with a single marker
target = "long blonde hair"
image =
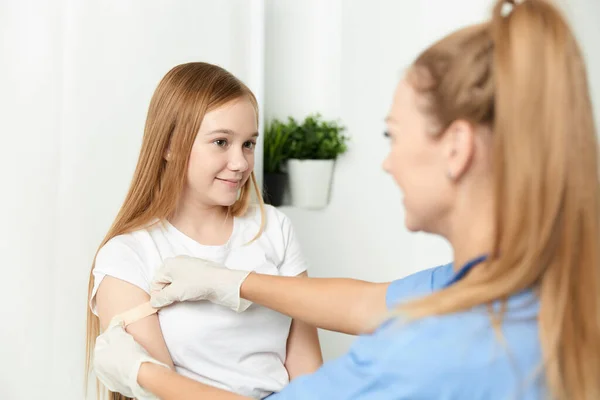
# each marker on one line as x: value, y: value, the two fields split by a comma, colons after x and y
x: 523, y: 75
x: 182, y: 98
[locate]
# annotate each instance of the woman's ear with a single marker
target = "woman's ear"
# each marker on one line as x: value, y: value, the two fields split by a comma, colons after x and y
x: 460, y: 147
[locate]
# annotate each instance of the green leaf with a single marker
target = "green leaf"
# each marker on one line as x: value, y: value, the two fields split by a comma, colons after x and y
x: 313, y: 139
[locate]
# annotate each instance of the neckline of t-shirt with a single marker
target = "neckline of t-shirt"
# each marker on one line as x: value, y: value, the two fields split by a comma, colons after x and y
x: 173, y: 229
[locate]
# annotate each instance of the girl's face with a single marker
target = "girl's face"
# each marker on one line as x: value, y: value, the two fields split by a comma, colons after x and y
x: 222, y: 156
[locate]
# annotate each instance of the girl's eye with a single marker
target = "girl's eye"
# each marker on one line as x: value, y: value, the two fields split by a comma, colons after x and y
x: 386, y: 134
x: 220, y: 142
x: 250, y: 145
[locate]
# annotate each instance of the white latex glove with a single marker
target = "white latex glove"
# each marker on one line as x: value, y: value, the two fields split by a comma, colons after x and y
x: 117, y: 361
x: 194, y: 279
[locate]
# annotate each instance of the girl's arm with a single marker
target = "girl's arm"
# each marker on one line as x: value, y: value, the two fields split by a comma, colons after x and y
x: 303, y: 348
x: 114, y: 297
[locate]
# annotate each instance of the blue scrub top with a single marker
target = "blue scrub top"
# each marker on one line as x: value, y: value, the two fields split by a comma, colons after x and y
x: 456, y: 356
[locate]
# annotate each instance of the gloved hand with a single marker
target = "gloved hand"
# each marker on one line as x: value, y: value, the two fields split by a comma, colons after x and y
x: 193, y: 279
x: 117, y: 361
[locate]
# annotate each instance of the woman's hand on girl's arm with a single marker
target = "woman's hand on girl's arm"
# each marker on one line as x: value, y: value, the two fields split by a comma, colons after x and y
x: 343, y: 305
x: 124, y: 366
x: 115, y: 297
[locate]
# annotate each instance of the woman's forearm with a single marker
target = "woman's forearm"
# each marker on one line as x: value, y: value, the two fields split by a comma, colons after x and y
x: 169, y: 385
x: 342, y: 305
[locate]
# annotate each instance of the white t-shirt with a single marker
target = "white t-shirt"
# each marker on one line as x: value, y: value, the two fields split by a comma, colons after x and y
x: 243, y: 353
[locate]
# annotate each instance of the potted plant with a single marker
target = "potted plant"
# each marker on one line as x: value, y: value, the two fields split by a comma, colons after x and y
x: 314, y: 146
x: 276, y: 148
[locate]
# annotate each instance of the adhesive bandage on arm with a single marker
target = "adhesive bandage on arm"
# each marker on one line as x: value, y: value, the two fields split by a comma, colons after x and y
x: 135, y: 314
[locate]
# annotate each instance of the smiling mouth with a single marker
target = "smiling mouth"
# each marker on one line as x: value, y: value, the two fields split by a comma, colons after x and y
x: 230, y: 182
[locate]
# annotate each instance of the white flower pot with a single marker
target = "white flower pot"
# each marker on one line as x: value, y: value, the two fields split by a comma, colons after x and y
x: 310, y: 182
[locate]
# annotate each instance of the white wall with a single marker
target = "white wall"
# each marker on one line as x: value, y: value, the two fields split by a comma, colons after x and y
x: 303, y: 57
x: 76, y: 81
x: 30, y: 117
x: 346, y: 65
x: 585, y: 17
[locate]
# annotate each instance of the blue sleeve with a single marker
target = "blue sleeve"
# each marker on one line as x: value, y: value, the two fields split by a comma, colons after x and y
x: 418, y: 284
x: 448, y: 357
x: 355, y: 375
x: 381, y: 366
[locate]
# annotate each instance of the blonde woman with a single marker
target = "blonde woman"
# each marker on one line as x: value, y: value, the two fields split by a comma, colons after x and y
x: 190, y: 196
x: 494, y: 147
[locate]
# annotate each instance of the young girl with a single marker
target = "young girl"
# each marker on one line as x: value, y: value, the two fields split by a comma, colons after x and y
x: 190, y: 196
x: 494, y: 146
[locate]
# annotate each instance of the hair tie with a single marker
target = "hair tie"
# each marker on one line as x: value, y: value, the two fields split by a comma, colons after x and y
x: 507, y: 7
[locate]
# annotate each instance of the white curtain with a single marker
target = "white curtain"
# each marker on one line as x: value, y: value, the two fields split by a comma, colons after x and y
x: 76, y: 78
